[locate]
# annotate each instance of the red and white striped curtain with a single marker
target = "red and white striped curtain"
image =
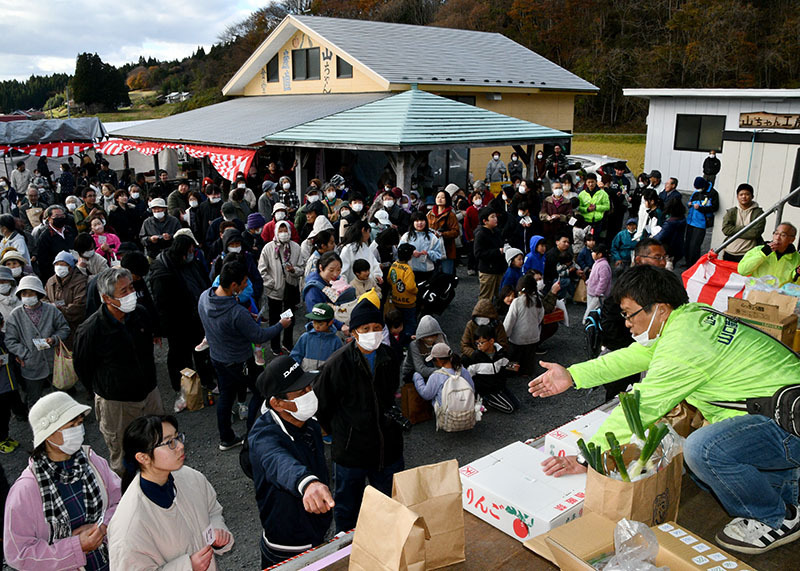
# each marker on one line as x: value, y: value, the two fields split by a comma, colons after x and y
x: 53, y: 150
x: 713, y: 281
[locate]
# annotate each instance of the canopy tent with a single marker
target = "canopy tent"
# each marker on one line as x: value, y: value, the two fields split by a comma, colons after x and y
x: 51, y: 137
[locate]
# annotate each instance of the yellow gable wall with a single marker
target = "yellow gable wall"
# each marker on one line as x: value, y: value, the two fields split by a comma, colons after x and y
x: 328, y: 82
x: 555, y: 110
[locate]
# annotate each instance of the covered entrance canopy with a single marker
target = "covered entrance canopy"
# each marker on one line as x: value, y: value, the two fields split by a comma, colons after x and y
x: 407, y: 125
x: 50, y: 137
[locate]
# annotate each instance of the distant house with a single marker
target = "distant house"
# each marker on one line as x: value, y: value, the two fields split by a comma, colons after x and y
x: 177, y: 96
x: 755, y: 133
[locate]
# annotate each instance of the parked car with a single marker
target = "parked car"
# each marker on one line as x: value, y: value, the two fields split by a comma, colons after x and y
x: 598, y: 164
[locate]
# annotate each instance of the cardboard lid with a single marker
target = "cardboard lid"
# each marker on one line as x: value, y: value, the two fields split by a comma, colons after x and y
x: 769, y: 305
x: 595, y: 533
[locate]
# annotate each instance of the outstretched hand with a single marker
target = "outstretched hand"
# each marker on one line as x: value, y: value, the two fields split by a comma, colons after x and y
x: 555, y: 380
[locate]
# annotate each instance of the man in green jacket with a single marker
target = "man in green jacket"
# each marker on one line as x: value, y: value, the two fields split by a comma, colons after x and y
x: 778, y: 258
x: 693, y: 353
x: 593, y: 202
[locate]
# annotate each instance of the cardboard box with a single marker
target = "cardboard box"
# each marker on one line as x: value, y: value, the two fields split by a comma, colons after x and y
x: 563, y: 441
x: 572, y: 545
x: 771, y: 312
x: 508, y: 490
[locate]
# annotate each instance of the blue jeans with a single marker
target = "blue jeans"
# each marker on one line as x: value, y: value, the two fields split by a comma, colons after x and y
x: 231, y: 377
x: 750, y: 463
x: 448, y: 266
x: 349, y: 484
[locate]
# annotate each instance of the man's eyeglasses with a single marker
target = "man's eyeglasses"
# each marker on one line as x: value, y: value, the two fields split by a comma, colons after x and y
x: 627, y: 317
x: 782, y: 235
x: 172, y: 443
x: 656, y: 258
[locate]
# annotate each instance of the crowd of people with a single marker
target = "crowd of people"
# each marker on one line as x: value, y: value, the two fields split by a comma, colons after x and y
x: 107, y: 266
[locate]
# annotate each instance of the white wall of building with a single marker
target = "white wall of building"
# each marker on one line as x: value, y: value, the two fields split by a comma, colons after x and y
x: 686, y: 165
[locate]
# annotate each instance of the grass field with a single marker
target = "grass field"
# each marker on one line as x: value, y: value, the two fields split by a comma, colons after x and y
x: 630, y: 147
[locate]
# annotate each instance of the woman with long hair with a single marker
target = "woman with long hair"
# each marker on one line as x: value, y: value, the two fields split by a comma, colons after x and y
x: 428, y: 247
x: 169, y: 516
x: 58, y: 509
x: 444, y: 222
x: 355, y: 246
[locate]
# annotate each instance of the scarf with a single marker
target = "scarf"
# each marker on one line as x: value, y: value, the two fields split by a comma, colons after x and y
x: 47, y: 473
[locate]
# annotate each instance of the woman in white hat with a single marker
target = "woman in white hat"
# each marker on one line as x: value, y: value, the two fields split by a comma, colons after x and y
x: 16, y: 262
x: 32, y: 331
x: 57, y: 510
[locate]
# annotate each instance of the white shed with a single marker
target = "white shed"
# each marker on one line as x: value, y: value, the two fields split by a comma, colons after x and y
x: 756, y: 133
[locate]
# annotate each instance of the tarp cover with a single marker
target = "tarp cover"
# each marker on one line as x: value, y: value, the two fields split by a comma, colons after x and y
x: 17, y: 133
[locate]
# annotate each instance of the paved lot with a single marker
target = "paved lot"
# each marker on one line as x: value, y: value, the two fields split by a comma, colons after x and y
x: 423, y: 445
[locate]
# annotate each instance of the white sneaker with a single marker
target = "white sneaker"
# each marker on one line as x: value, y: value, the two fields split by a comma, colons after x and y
x: 753, y: 537
x: 202, y: 346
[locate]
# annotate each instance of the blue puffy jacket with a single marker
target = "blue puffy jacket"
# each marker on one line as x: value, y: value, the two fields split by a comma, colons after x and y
x: 534, y: 260
x: 313, y: 348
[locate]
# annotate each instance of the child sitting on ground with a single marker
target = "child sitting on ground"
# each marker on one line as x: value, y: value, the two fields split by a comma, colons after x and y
x: 489, y: 367
x: 448, y: 364
x: 363, y: 280
x: 404, y: 287
x: 319, y: 341
x: 504, y: 299
x: 598, y: 286
x: 514, y: 258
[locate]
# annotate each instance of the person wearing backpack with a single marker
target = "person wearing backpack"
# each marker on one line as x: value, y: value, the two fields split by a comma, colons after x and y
x: 451, y: 389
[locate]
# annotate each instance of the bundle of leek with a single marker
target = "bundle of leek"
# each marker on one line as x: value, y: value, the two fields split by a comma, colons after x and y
x: 616, y: 453
x: 592, y: 455
x: 656, y: 433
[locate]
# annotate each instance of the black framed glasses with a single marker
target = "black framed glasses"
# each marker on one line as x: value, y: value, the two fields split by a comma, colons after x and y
x: 657, y: 258
x: 627, y: 317
x: 172, y: 443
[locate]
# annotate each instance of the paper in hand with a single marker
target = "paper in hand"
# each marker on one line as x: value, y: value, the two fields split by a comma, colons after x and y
x: 208, y: 535
x: 287, y: 314
x: 41, y: 343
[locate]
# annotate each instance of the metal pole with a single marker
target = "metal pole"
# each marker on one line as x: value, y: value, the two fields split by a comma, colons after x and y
x: 778, y: 207
x: 5, y: 162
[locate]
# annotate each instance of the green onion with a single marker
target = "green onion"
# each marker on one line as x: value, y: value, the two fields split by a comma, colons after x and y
x: 592, y: 455
x: 630, y: 406
x: 616, y: 454
x: 655, y: 435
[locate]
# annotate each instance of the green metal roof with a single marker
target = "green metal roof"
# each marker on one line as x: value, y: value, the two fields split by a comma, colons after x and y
x: 414, y: 120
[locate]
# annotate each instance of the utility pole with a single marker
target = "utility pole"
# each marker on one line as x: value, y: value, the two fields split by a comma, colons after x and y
x: 68, y: 116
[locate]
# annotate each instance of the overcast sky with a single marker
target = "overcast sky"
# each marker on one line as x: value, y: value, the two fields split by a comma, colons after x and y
x: 45, y: 36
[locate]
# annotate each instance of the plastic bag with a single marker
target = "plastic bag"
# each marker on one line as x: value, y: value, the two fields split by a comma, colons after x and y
x: 635, y: 547
x: 764, y: 283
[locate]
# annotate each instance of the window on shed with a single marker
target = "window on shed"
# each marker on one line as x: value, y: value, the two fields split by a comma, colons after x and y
x: 305, y: 64
x: 343, y: 69
x: 272, y: 70
x: 699, y: 132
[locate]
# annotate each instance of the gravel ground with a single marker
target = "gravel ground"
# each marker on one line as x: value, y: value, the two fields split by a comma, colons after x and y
x: 422, y: 446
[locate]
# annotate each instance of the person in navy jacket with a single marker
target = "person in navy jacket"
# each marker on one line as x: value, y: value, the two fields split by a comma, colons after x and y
x: 289, y: 469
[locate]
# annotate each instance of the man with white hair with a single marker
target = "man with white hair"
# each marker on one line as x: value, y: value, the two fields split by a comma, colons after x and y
x: 777, y: 258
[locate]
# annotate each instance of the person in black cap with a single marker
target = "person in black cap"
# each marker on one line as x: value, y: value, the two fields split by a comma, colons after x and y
x: 620, y: 193
x: 356, y: 388
x: 289, y: 469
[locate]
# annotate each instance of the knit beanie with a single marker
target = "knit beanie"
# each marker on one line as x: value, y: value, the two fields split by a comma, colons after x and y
x: 365, y: 312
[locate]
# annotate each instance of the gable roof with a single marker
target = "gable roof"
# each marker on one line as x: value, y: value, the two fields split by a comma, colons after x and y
x: 243, y: 122
x: 414, y: 120
x: 426, y: 55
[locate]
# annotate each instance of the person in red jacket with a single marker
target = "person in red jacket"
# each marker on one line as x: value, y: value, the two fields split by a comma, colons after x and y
x: 279, y: 212
x: 471, y: 222
x: 443, y: 221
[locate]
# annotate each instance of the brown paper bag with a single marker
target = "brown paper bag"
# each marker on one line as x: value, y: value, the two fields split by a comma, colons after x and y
x: 34, y: 216
x: 414, y: 407
x: 580, y: 292
x: 389, y: 536
x: 434, y: 492
x: 192, y: 390
x: 652, y: 501
x: 685, y: 419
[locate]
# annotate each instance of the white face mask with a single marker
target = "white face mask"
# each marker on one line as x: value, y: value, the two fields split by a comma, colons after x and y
x: 388, y: 203
x: 71, y: 206
x: 214, y: 199
x: 61, y: 271
x: 192, y: 203
x: 283, y: 237
x: 87, y: 254
x: 482, y: 321
x: 540, y: 285
x: 641, y: 184
x: 16, y: 272
x: 306, y: 406
x: 313, y: 198
x: 505, y: 197
x: 73, y: 439
x: 127, y: 303
x: 344, y: 213
x: 370, y: 341
x: 5, y: 289
x: 643, y: 338
x: 513, y: 158
x: 331, y: 195
x: 521, y: 213
x: 522, y: 189
x: 280, y: 215
x: 539, y: 156
x: 558, y: 192
x: 241, y: 185
x: 159, y: 215
x: 134, y: 195
x: 477, y: 201
x: 234, y: 249
x: 357, y: 207
x: 496, y: 157
x: 30, y: 300
x: 287, y: 186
